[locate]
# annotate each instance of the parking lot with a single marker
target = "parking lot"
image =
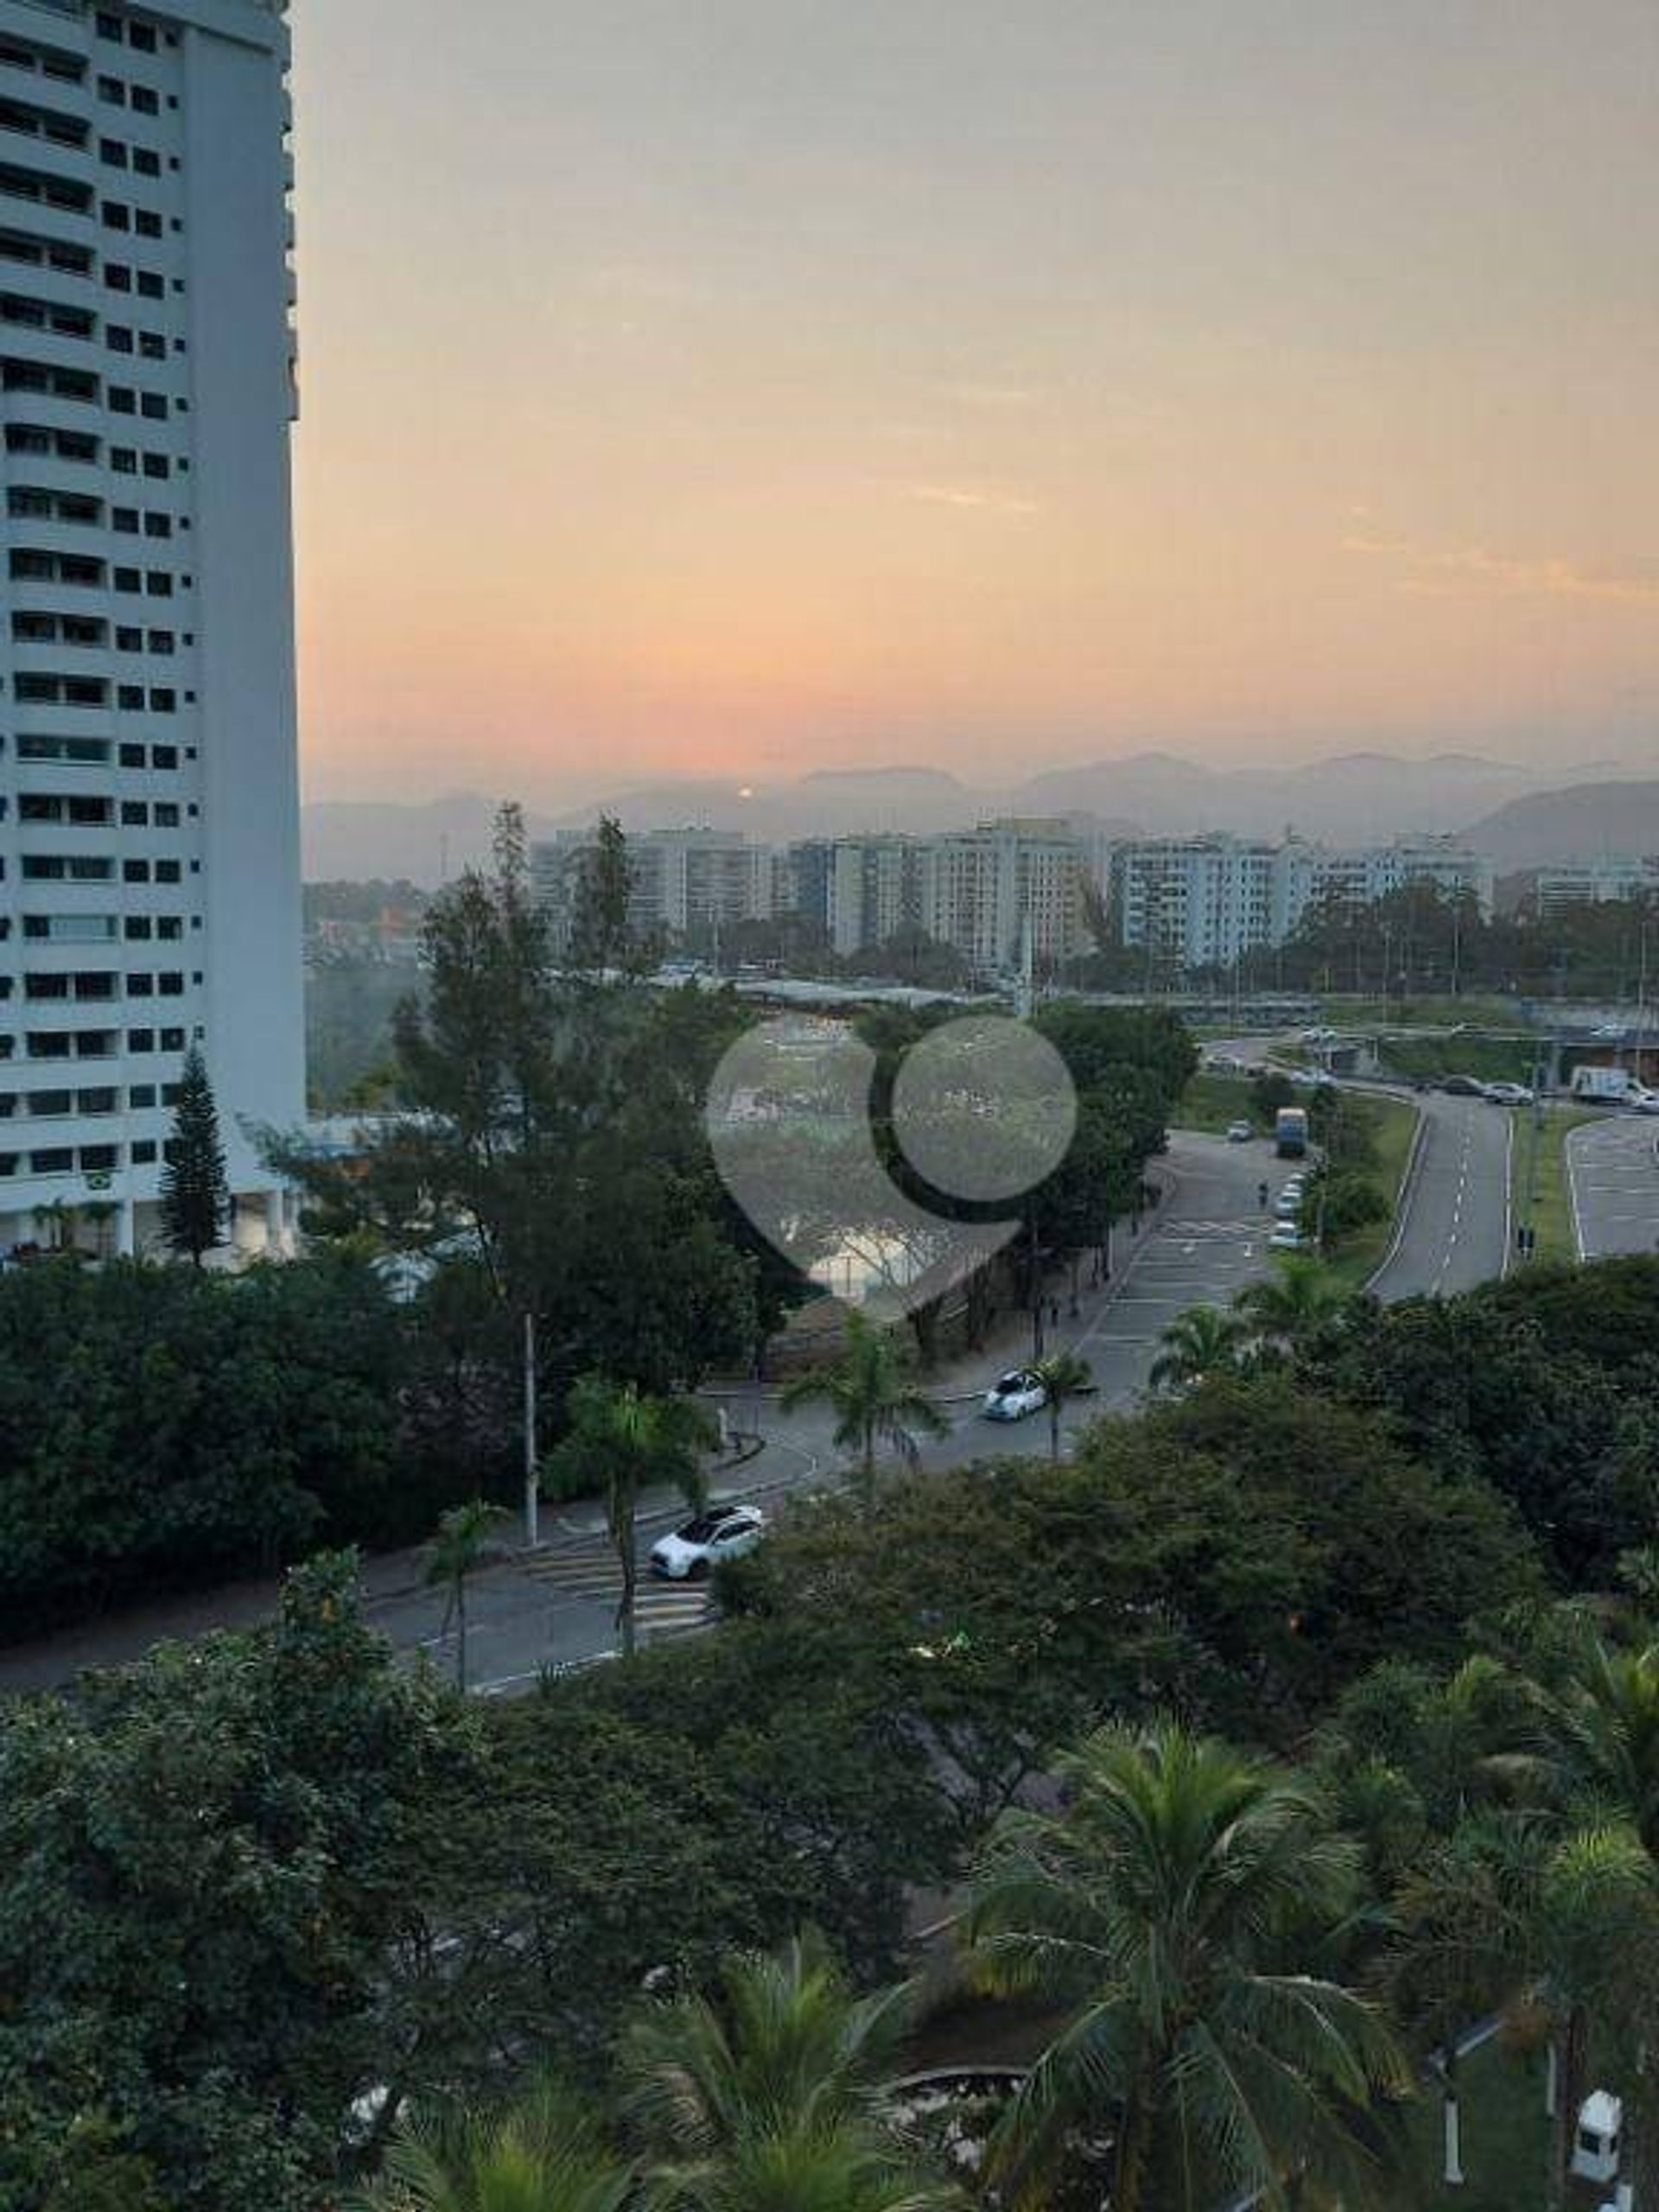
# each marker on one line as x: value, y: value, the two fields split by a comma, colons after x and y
x: 1613, y: 1179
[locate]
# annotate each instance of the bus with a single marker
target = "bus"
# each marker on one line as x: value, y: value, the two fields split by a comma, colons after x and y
x: 1290, y: 1132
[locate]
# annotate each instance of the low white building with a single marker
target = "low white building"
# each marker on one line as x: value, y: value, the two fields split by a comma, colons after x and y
x: 1605, y: 882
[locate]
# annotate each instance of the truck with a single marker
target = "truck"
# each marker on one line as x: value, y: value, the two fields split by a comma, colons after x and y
x: 1603, y: 1086
x: 1290, y: 1132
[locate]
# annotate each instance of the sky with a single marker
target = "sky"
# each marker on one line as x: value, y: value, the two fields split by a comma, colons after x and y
x: 734, y: 388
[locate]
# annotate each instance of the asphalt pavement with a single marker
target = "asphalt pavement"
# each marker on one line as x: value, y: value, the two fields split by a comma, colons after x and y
x: 1612, y: 1174
x: 1453, y: 1230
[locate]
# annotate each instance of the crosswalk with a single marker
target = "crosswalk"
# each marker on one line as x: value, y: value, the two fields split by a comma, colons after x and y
x: 1209, y: 1231
x: 586, y: 1575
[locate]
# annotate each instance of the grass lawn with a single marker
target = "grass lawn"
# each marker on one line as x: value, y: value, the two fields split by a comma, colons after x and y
x: 1419, y: 1013
x: 1353, y: 1262
x: 1211, y: 1101
x: 1489, y: 1059
x: 1552, y: 1215
x: 1505, y: 2136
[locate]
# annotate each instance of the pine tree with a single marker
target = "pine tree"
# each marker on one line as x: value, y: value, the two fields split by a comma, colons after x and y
x: 195, y: 1190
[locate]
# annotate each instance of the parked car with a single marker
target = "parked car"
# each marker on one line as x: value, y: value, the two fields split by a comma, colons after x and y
x: 1286, y: 1238
x: 724, y: 1532
x: 1239, y: 1133
x: 1015, y: 1396
x: 1287, y: 1206
x: 1509, y: 1094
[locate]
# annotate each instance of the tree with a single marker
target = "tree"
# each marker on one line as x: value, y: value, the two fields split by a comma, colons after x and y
x: 1597, y: 1714
x: 464, y: 1543
x: 1064, y: 1376
x: 200, y: 1883
x: 161, y: 1428
x: 1176, y: 1907
x: 195, y: 1190
x: 1202, y: 1342
x: 620, y: 1443
x: 544, y: 2153
x: 777, y: 2093
x: 869, y: 1391
x: 1270, y: 1093
x: 1289, y: 1305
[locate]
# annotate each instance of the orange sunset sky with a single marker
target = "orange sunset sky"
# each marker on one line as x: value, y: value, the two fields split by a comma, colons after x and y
x: 739, y: 387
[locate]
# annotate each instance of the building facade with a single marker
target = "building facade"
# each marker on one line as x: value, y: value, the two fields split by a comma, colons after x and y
x: 150, y: 879
x: 1594, y: 883
x: 1198, y: 903
x: 984, y: 891
x: 682, y: 882
x: 1192, y: 902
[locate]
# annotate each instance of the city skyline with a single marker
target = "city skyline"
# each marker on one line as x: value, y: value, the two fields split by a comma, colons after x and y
x: 740, y: 389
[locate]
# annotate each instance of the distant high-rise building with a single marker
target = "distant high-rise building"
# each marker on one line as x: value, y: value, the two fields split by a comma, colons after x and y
x: 149, y: 882
x: 983, y: 889
x: 1594, y: 883
x: 682, y: 882
x: 1192, y: 902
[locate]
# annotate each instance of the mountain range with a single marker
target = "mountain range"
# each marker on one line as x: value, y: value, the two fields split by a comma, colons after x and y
x: 1522, y: 816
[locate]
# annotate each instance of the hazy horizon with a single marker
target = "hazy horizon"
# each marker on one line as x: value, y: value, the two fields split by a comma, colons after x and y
x: 747, y: 387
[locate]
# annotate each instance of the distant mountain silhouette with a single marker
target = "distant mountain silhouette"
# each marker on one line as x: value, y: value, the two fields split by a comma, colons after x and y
x: 1583, y: 822
x: 1353, y: 798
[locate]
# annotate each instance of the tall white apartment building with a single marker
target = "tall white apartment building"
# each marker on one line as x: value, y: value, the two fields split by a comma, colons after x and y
x: 874, y: 890
x: 983, y: 889
x: 1203, y: 902
x: 1594, y: 883
x: 149, y: 881
x: 1192, y: 902
x: 680, y: 881
x: 1311, y: 872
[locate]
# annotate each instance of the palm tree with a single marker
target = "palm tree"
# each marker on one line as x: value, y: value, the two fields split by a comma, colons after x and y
x: 1599, y: 1726
x: 869, y: 1391
x: 1299, y: 1298
x: 1596, y: 1941
x: 1201, y: 1341
x: 777, y: 2092
x: 1174, y: 1906
x: 543, y: 2154
x: 1461, y: 1945
x: 1064, y: 1376
x: 620, y: 1442
x: 465, y: 1542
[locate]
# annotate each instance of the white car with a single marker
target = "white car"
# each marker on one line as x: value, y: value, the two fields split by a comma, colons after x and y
x: 1288, y: 1204
x: 1509, y: 1094
x: 1239, y: 1133
x: 1286, y: 1238
x: 1013, y: 1396
x: 724, y: 1532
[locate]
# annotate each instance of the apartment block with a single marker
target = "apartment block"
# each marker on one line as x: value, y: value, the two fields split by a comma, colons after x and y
x: 1594, y: 883
x: 681, y: 880
x: 983, y: 890
x: 150, y: 880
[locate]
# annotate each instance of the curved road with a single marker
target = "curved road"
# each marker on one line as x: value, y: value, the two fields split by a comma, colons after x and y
x: 1453, y: 1227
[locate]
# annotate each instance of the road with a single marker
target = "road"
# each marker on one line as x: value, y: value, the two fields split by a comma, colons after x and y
x: 1453, y: 1231
x: 1613, y: 1183
x: 1202, y: 1245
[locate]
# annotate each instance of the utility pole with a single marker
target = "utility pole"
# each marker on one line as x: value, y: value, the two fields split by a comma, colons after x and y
x: 532, y: 1463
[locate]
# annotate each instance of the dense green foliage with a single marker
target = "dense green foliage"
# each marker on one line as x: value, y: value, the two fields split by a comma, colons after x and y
x: 261, y: 1899
x: 160, y: 1426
